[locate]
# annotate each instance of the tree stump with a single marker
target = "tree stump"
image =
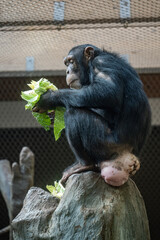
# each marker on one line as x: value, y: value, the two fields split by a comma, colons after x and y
x: 89, y: 210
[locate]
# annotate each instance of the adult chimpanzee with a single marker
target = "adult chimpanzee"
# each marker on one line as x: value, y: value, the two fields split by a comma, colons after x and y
x: 107, y: 117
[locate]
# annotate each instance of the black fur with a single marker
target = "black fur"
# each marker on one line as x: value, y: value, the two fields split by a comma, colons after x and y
x: 107, y: 110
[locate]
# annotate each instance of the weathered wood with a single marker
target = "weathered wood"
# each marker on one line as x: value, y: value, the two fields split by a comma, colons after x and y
x: 15, y: 181
x: 89, y: 209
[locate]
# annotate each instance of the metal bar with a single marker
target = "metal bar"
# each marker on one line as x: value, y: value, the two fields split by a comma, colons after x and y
x: 51, y: 73
x: 80, y: 21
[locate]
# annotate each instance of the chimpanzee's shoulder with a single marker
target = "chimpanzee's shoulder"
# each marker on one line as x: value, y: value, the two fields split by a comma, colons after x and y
x: 108, y: 60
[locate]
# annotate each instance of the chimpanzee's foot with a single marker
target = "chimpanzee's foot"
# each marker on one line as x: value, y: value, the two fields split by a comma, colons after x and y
x: 77, y: 168
x: 116, y: 172
x: 133, y: 165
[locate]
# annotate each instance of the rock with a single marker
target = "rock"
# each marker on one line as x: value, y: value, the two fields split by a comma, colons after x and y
x: 15, y: 181
x: 89, y: 210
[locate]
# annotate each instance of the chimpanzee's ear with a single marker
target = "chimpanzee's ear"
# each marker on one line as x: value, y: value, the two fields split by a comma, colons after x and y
x: 89, y: 52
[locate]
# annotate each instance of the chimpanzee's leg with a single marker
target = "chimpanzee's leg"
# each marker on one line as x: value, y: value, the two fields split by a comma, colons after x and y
x: 74, y: 119
x: 82, y: 163
x: 89, y: 138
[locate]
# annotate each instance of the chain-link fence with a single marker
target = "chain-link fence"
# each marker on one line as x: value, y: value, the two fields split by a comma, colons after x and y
x: 35, y: 36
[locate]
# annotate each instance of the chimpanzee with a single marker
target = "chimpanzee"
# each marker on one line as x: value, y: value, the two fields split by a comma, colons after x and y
x: 107, y: 118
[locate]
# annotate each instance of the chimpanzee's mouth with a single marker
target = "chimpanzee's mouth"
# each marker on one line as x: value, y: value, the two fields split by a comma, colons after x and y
x: 75, y: 84
x: 74, y: 80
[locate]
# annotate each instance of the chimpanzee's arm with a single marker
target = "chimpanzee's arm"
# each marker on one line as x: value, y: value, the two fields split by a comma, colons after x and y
x: 96, y: 95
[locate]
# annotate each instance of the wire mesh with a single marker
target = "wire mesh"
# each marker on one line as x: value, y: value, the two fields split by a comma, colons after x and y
x: 38, y: 33
x: 46, y: 31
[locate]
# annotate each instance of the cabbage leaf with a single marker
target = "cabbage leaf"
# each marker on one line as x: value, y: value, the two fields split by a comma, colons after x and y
x: 32, y: 97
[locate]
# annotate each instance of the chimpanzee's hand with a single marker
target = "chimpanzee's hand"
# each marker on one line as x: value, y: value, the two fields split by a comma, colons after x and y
x: 37, y: 109
x: 44, y: 103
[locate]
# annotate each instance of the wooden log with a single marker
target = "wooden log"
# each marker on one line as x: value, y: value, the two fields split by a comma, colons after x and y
x: 89, y: 209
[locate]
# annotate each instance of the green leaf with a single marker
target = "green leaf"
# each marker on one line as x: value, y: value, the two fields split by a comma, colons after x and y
x: 29, y: 106
x: 33, y: 96
x: 57, y: 190
x: 30, y: 96
x: 43, y: 119
x: 59, y: 123
x: 50, y: 188
x: 32, y: 84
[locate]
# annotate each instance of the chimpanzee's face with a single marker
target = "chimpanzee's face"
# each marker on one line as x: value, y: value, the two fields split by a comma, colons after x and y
x: 72, y: 72
x: 77, y: 73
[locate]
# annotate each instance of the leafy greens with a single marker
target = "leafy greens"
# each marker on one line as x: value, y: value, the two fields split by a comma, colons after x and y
x: 32, y: 97
x: 57, y: 190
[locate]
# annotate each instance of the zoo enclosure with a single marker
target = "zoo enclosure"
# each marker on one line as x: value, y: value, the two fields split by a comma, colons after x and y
x: 35, y: 36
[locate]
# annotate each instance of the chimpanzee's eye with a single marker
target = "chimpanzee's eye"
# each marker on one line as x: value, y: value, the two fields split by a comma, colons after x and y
x: 71, y: 60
